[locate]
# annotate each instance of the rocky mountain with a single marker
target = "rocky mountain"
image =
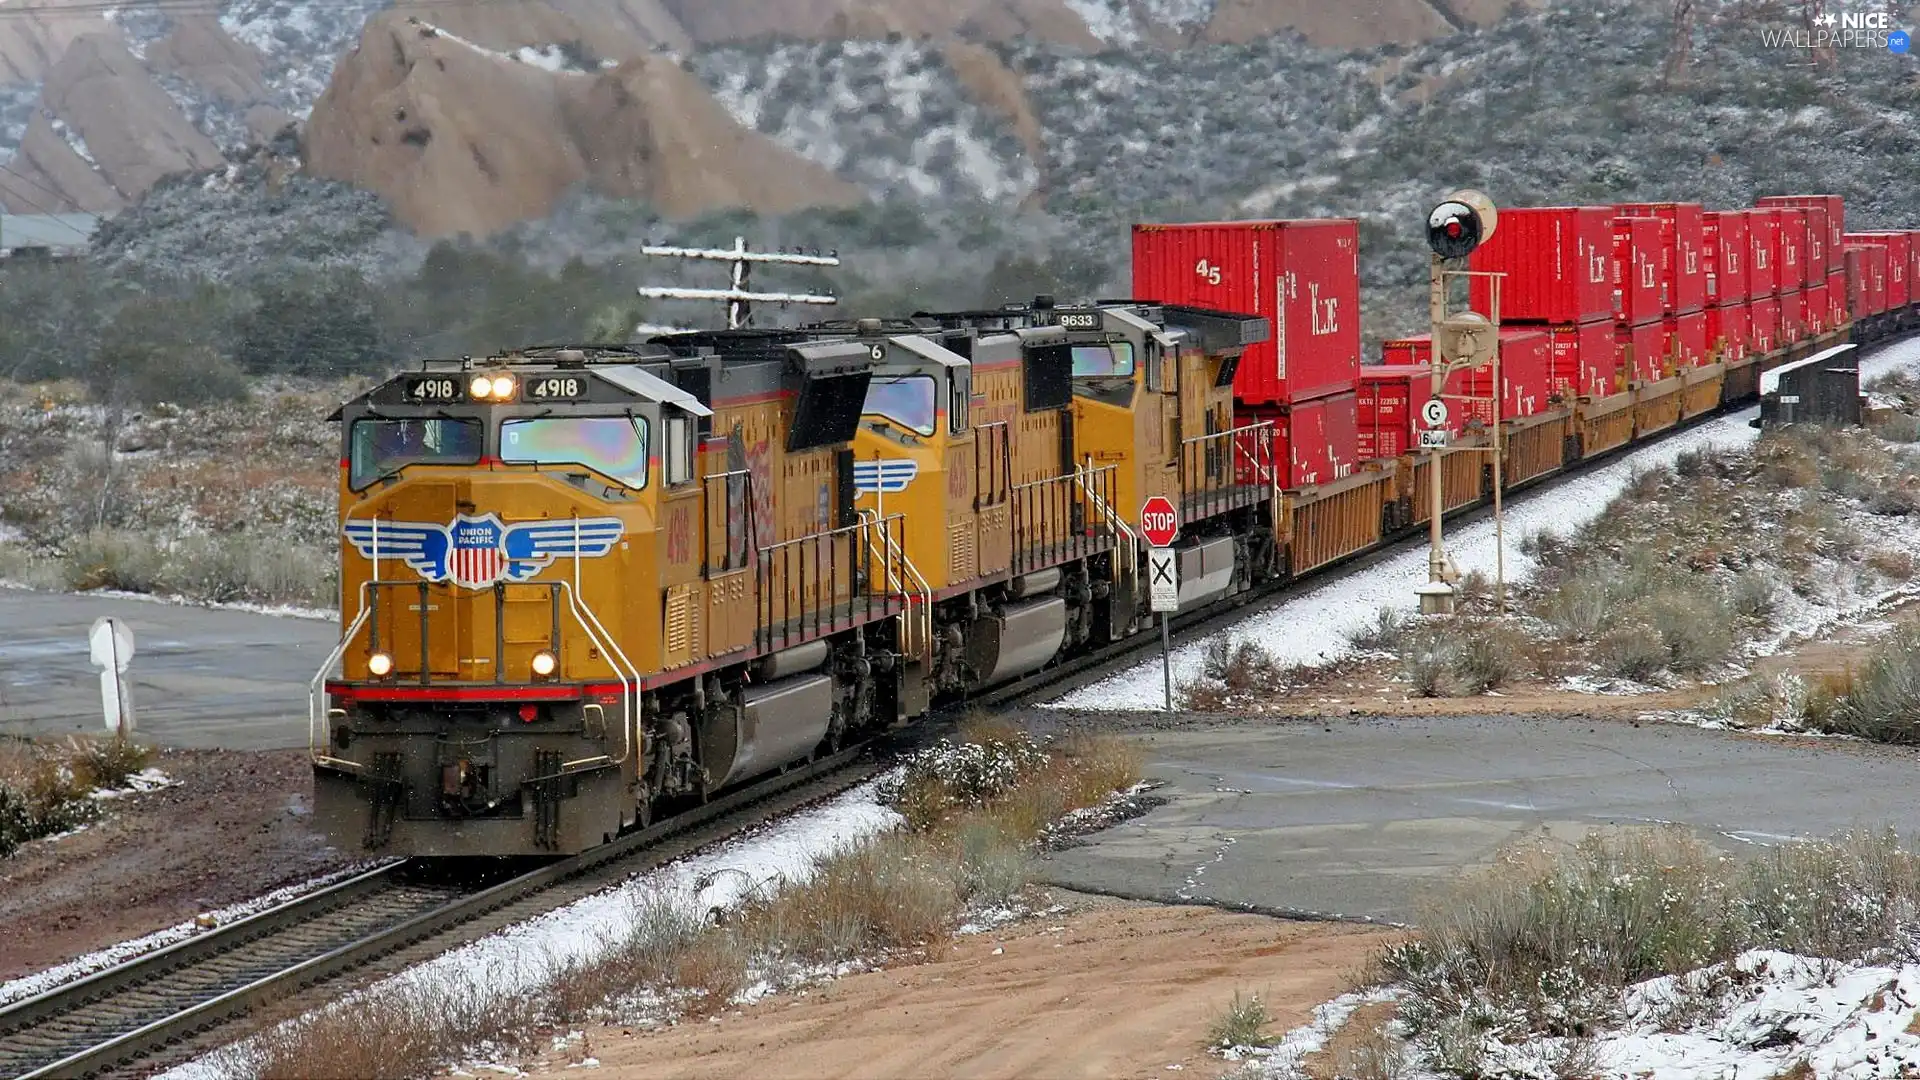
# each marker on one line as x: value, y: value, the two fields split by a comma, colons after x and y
x: 97, y: 101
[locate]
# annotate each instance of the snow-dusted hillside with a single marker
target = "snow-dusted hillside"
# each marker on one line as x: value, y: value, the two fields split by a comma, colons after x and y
x: 889, y: 115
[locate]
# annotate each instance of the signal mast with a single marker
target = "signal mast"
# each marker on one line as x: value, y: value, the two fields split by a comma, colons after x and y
x: 738, y: 297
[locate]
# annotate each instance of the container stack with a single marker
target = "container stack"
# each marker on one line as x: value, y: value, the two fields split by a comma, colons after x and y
x: 1822, y: 303
x: 1724, y: 255
x: 1304, y: 277
x: 1558, y: 262
x: 1683, y: 288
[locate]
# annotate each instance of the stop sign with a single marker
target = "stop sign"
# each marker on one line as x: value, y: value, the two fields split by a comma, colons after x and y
x: 1158, y: 522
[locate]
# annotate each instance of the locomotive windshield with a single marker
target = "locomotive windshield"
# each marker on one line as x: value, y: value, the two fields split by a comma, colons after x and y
x: 1114, y: 359
x: 383, y: 447
x: 613, y: 445
x: 907, y: 400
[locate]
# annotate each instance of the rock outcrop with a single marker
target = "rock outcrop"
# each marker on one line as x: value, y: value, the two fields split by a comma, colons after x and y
x: 105, y: 132
x: 461, y: 138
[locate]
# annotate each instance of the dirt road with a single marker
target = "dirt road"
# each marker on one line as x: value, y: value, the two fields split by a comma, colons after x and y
x: 1115, y: 990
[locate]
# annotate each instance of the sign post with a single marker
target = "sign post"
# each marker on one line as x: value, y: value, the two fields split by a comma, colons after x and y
x: 110, y: 647
x: 1160, y: 525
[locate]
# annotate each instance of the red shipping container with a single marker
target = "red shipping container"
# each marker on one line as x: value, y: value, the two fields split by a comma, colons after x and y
x: 1724, y: 256
x: 1683, y: 283
x: 1764, y: 331
x: 1763, y: 237
x: 1913, y: 266
x: 1836, y: 300
x: 1322, y: 437
x: 1813, y: 263
x: 1858, y: 288
x: 1876, y: 278
x: 1526, y: 375
x: 1636, y: 269
x: 1643, y: 351
x: 1583, y: 360
x: 1384, y: 409
x: 1304, y: 276
x: 1792, y: 325
x: 1558, y: 262
x: 1687, y: 338
x: 1788, y: 240
x: 1813, y: 310
x: 1832, y: 244
x: 1728, y: 331
x: 1899, y: 261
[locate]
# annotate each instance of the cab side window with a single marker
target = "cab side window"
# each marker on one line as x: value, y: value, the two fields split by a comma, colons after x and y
x: 679, y: 449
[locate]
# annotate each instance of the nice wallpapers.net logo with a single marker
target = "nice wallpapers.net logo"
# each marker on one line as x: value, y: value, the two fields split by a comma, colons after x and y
x: 1849, y: 30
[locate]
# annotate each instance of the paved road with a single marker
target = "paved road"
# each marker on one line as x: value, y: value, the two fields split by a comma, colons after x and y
x: 1364, y: 818
x: 201, y: 677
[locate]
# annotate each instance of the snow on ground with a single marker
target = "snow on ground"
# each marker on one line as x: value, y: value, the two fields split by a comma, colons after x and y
x: 1763, y: 1014
x: 516, y: 958
x: 288, y: 611
x: 1281, y: 1061
x: 1315, y: 628
x: 42, y: 981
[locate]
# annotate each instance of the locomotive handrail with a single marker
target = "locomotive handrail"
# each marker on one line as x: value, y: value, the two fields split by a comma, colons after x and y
x: 889, y: 552
x: 629, y: 693
x: 316, y: 717
x: 1083, y: 478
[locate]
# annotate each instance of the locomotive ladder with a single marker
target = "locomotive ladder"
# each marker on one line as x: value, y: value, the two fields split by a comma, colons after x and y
x: 916, y: 631
x: 1124, y: 570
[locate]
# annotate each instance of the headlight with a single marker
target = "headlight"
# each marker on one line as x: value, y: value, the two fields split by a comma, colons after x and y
x: 380, y: 664
x: 544, y: 664
x: 482, y: 386
x: 502, y: 387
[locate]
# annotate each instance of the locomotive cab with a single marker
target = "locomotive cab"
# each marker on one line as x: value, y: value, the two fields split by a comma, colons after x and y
x: 489, y: 511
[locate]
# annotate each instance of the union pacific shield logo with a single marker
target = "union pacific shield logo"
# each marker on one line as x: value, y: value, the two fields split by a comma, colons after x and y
x: 477, y: 552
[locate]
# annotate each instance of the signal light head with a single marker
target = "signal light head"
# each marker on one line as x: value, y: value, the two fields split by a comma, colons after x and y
x: 1460, y: 224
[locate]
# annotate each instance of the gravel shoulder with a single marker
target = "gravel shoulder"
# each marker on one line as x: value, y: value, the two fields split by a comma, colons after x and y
x: 1108, y: 989
x: 237, y: 824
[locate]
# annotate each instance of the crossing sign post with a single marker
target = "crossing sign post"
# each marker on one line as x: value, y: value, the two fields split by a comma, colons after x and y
x: 1159, y: 526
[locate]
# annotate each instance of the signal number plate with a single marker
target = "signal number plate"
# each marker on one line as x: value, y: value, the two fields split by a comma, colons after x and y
x: 435, y: 389
x: 556, y: 388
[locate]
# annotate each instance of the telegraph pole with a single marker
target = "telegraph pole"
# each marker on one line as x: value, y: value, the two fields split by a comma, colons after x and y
x: 1460, y: 340
x: 738, y: 297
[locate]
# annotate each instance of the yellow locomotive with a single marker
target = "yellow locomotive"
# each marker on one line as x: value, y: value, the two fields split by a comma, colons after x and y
x: 581, y: 586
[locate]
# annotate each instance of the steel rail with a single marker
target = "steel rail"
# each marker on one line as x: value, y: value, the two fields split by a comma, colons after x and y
x: 125, y: 1015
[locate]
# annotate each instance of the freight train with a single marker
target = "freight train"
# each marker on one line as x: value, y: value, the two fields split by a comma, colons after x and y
x: 584, y: 587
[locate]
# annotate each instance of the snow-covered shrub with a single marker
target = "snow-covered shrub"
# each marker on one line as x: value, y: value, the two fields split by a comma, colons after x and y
x: 950, y: 776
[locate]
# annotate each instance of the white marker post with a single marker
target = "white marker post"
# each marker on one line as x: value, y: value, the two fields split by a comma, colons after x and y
x: 110, y: 644
x: 1159, y: 525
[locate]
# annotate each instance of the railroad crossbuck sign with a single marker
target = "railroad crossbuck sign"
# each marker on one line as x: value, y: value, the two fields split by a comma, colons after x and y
x: 110, y: 647
x: 1163, y: 580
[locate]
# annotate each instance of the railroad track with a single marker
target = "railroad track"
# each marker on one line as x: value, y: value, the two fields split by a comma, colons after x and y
x: 159, y: 1009
x: 162, y: 1008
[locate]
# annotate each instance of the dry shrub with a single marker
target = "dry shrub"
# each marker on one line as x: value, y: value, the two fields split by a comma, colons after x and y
x: 106, y: 763
x: 1232, y: 672
x: 1374, y: 1054
x: 1543, y: 941
x: 109, y: 559
x: 1242, y: 1022
x: 413, y: 1029
x: 1464, y: 655
x: 1881, y: 700
x: 891, y: 892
